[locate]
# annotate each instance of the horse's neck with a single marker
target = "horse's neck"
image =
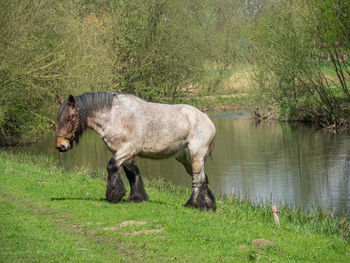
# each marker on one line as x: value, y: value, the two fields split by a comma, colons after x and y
x: 97, y: 122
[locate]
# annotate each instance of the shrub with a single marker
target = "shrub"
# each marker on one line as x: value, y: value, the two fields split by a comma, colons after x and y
x: 46, y: 50
x: 294, y: 41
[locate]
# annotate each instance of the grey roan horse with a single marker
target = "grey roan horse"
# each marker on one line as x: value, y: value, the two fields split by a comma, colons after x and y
x: 132, y: 127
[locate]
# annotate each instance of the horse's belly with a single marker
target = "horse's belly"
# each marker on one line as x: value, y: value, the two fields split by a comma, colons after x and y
x: 161, y: 151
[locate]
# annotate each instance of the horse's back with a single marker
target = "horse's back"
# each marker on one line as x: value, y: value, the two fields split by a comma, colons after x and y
x: 167, y: 116
x: 161, y: 129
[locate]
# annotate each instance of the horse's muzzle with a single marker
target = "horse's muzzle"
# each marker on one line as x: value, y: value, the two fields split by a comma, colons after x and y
x: 62, y: 144
x: 62, y: 148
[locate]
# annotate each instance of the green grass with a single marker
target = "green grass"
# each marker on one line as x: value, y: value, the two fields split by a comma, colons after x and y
x: 50, y: 215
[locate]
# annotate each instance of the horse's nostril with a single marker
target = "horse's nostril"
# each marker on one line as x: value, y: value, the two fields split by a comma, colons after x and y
x: 61, y: 148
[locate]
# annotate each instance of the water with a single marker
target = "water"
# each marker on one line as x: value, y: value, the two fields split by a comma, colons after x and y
x: 288, y: 163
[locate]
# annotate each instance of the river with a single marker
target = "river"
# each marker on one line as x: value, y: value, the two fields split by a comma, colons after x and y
x: 282, y: 162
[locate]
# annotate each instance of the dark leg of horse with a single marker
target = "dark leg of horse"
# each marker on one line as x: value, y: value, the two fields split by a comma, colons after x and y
x: 115, y: 187
x: 137, y: 189
x: 201, y: 196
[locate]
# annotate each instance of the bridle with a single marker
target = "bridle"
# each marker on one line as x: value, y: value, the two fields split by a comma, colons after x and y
x: 76, y: 126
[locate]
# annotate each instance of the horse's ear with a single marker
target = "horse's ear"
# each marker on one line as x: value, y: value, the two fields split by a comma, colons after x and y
x: 71, y: 101
x: 59, y: 99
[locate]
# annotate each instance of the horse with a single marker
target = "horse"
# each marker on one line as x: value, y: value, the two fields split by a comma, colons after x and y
x: 132, y: 127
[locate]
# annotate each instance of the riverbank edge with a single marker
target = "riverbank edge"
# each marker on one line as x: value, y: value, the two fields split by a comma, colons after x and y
x: 318, y: 218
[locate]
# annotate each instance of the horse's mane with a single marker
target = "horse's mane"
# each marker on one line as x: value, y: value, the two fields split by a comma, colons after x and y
x: 89, y: 102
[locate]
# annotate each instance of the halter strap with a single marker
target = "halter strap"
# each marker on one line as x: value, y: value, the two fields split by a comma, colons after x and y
x: 76, y: 125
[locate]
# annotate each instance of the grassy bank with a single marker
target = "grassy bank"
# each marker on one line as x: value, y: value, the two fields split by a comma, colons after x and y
x: 50, y: 215
x: 222, y: 89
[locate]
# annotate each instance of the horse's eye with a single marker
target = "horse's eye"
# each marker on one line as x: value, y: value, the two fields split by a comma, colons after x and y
x: 69, y: 118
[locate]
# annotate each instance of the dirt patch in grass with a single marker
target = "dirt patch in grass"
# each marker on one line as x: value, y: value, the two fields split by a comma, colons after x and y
x: 71, y: 228
x: 126, y: 223
x: 151, y: 231
x: 260, y: 243
x: 134, y: 233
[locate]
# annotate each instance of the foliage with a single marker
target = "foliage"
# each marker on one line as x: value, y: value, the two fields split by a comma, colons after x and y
x: 155, y: 49
x: 46, y: 50
x: 302, y: 55
x: 159, y: 47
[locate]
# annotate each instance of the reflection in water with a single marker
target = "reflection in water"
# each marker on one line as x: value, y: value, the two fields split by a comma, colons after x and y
x: 293, y: 164
x: 296, y: 165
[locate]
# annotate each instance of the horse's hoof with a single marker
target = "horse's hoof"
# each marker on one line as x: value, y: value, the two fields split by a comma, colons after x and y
x: 137, y: 198
x: 204, y: 200
x: 114, y: 196
x: 203, y: 207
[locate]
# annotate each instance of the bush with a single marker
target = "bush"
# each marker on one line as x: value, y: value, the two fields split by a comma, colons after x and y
x: 159, y: 47
x: 46, y: 50
x: 293, y: 41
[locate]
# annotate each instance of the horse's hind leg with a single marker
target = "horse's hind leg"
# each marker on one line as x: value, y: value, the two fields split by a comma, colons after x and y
x: 201, y: 196
x: 137, y: 189
x: 115, y: 186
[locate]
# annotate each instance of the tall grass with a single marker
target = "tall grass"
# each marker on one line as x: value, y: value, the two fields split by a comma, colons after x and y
x: 294, y: 219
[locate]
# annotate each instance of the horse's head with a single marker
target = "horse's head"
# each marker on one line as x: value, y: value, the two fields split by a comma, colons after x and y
x: 67, y: 123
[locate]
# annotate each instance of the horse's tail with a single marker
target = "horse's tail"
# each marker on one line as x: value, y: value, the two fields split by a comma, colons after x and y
x: 210, y: 148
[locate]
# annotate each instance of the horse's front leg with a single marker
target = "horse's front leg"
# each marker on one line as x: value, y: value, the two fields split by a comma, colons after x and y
x: 115, y: 186
x: 137, y: 189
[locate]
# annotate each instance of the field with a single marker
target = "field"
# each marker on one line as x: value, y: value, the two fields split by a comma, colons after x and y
x: 51, y: 215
